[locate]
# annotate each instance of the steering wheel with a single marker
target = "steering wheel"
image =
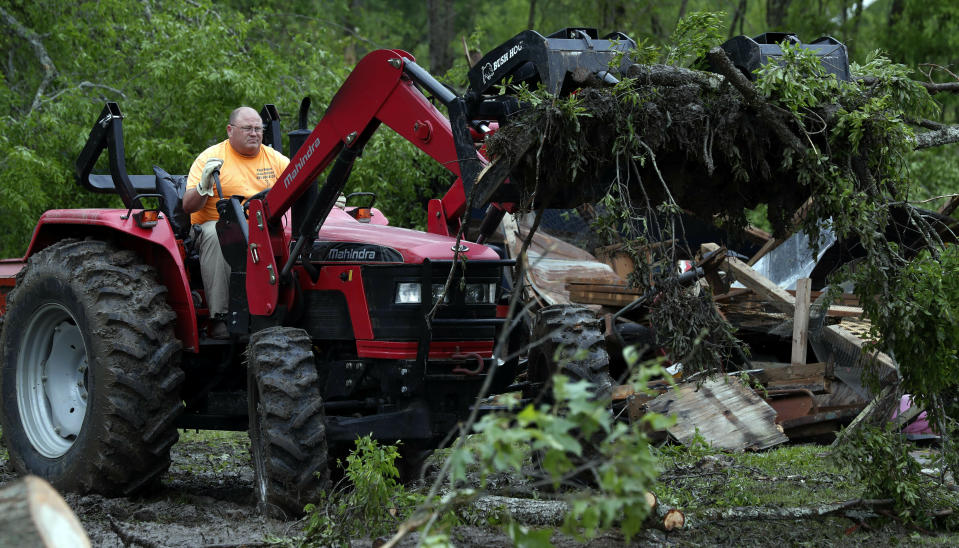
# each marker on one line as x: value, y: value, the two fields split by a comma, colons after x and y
x: 258, y: 196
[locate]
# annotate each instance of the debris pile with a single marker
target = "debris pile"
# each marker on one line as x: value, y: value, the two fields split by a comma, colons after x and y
x: 805, y: 376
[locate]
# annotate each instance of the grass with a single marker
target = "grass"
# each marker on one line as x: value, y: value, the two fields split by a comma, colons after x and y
x: 211, y: 436
x: 212, y: 451
x: 697, y: 479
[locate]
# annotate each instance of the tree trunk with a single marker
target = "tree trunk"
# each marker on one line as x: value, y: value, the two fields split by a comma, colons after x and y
x: 738, y: 17
x: 350, y: 53
x: 682, y: 10
x: 531, y: 22
x: 441, y: 15
x: 776, y: 14
x: 32, y: 513
x: 612, y: 13
x: 895, y: 12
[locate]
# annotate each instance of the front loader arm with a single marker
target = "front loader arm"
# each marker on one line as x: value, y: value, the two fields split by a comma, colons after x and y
x: 379, y: 90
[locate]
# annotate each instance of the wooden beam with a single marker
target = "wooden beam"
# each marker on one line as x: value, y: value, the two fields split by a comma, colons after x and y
x: 801, y: 321
x: 775, y: 372
x: 749, y: 277
x: 766, y: 248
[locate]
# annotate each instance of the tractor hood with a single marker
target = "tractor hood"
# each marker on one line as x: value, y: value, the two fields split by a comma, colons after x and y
x: 412, y: 246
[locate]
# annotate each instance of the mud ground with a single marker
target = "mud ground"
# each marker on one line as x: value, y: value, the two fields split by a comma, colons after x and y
x: 206, y: 500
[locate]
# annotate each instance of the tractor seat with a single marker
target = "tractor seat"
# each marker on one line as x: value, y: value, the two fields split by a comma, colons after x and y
x: 171, y: 188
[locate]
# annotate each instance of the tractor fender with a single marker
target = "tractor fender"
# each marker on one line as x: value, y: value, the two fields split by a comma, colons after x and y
x: 157, y: 246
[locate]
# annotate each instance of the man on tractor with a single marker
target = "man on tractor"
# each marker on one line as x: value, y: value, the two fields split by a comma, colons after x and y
x: 245, y: 168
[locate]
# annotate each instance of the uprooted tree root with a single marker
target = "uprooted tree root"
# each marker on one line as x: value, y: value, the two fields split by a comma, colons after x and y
x: 674, y: 134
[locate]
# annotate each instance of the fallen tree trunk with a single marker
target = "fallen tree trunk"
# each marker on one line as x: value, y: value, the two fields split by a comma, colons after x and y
x: 749, y: 513
x: 525, y: 511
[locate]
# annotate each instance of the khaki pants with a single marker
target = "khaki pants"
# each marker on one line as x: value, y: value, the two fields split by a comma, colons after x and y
x: 214, y: 269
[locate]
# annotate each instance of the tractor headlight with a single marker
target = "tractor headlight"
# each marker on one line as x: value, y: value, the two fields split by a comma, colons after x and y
x: 408, y: 293
x: 437, y: 291
x: 480, y: 293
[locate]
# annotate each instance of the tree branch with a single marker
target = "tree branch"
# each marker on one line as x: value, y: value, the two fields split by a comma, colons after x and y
x: 49, y: 69
x: 922, y: 122
x: 932, y: 87
x: 81, y: 85
x: 754, y: 99
x: 943, y: 136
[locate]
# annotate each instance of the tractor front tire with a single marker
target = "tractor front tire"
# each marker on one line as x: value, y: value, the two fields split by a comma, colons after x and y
x: 287, y: 422
x: 569, y: 340
x: 89, y: 374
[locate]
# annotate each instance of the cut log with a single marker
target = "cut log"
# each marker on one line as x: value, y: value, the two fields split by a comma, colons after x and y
x: 32, y: 513
x: 651, y: 500
x: 674, y: 519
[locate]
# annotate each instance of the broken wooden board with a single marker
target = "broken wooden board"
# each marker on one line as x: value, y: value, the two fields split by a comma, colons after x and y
x: 848, y: 306
x: 551, y: 262
x: 784, y: 376
x: 610, y: 294
x: 724, y: 412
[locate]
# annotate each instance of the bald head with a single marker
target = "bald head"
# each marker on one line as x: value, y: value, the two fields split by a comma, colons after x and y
x: 241, y: 111
x: 245, y: 131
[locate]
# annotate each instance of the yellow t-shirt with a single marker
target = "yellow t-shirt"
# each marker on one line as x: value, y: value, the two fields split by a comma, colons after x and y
x: 239, y: 175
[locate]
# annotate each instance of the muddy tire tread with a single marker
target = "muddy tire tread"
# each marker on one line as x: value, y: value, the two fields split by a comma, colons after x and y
x: 568, y: 329
x: 291, y: 451
x: 130, y: 319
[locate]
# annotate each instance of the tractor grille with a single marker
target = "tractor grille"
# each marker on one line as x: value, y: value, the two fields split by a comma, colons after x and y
x: 326, y: 315
x: 455, y: 320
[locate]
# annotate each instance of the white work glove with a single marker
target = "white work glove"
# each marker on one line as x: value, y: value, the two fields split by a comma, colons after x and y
x: 341, y: 202
x: 205, y: 188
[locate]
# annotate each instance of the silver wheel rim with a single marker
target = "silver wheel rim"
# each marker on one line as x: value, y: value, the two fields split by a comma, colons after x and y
x: 52, y: 380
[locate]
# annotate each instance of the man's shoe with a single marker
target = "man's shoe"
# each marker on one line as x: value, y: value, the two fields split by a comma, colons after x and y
x: 217, y: 330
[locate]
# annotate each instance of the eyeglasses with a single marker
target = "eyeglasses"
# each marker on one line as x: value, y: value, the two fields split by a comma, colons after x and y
x: 251, y: 129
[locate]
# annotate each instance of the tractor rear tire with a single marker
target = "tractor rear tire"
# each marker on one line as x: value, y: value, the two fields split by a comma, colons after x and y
x: 568, y: 329
x: 89, y: 370
x: 287, y: 422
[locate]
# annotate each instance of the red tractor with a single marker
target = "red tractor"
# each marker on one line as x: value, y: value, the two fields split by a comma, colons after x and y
x: 103, y: 353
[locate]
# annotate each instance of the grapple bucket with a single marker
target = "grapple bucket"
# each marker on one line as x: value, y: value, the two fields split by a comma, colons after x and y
x: 748, y: 54
x: 559, y: 62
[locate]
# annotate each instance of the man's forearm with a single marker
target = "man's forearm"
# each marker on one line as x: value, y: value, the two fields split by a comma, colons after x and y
x: 193, y: 201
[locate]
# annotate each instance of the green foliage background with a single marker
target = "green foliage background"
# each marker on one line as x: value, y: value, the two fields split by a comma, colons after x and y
x: 178, y: 68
